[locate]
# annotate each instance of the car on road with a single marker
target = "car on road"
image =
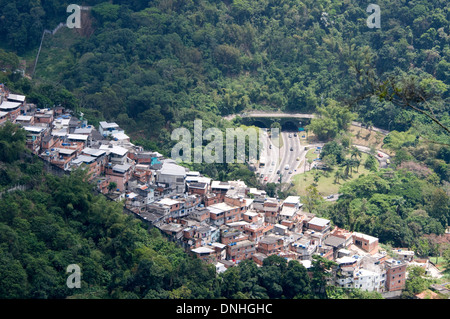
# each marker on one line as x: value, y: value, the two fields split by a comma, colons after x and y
x: 266, y: 178
x: 292, y: 148
x: 290, y: 172
x: 286, y: 167
x: 278, y: 172
x: 273, y: 163
x: 290, y: 135
x: 298, y: 158
x: 295, y: 134
x: 270, y: 146
x: 262, y: 175
x: 271, y: 170
x: 330, y: 196
x: 380, y: 155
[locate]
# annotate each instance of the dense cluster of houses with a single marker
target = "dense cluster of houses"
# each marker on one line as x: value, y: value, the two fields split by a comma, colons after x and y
x: 222, y: 222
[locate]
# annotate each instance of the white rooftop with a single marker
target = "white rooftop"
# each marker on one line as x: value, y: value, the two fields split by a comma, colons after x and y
x: 345, y: 260
x: 219, y: 184
x: 93, y: 151
x: 83, y: 159
x: 132, y: 195
x: 16, y: 97
x: 253, y: 214
x: 239, y: 223
x: 61, y: 122
x: 78, y: 137
x: 7, y: 105
x: 121, y: 168
x: 83, y: 130
x: 34, y: 129
x: 202, y: 250
x: 24, y: 118
x: 168, y: 201
x: 220, y: 208
x: 114, y: 149
x: 292, y: 200
x: 319, y: 221
x: 107, y: 125
x: 62, y: 132
x: 120, y: 136
x: 306, y: 263
x: 172, y: 169
x: 288, y: 211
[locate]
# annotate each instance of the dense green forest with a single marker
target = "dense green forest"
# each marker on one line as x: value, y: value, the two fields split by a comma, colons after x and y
x: 175, y: 61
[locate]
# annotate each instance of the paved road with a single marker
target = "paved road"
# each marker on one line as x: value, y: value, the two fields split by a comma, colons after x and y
x: 276, y: 159
x: 291, y: 150
x: 380, y: 156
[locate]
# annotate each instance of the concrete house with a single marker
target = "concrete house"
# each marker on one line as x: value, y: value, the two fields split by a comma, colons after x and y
x: 172, y: 174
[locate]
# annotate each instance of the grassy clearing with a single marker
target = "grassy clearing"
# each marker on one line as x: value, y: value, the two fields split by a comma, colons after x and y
x: 365, y: 137
x: 326, y: 184
x: 311, y: 154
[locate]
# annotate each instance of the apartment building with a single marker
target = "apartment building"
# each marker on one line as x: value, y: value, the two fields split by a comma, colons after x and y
x: 106, y: 128
x: 241, y: 250
x: 366, y: 242
x: 12, y: 109
x: 319, y: 224
x: 256, y: 231
x: 229, y: 236
x: 172, y: 174
x: 395, y: 274
x: 119, y: 174
x: 270, y: 245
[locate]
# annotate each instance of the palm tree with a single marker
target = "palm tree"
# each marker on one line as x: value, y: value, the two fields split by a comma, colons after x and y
x: 355, y: 152
x: 316, y: 178
x: 357, y: 163
x: 337, y: 176
x: 348, y: 164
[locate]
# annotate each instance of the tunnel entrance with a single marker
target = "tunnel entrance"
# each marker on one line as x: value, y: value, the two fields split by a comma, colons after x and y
x: 259, y: 124
x: 289, y: 126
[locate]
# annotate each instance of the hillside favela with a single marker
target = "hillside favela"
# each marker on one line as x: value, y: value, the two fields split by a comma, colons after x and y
x: 238, y: 151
